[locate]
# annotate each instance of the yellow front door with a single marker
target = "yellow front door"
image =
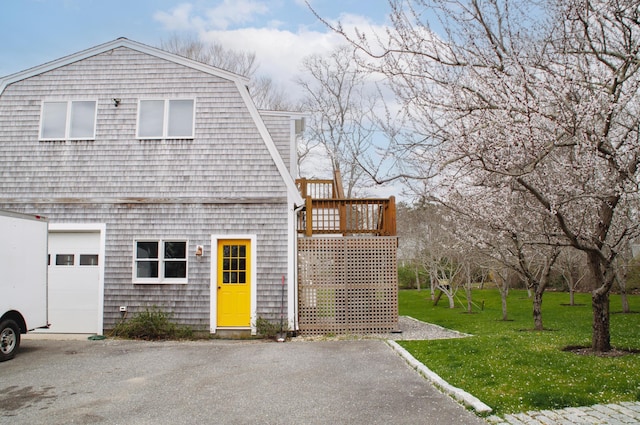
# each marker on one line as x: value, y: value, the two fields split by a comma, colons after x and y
x: 234, y: 283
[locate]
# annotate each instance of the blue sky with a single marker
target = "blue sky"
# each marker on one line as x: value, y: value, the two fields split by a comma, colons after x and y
x: 280, y: 32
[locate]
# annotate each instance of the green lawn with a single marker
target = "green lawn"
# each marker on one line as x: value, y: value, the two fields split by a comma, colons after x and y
x: 514, y: 369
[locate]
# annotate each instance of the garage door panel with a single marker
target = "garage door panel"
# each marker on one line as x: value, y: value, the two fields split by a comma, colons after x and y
x: 74, y: 285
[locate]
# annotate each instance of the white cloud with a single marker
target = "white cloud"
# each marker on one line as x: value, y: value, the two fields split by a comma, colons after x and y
x: 279, y: 51
x: 179, y: 19
x: 233, y: 12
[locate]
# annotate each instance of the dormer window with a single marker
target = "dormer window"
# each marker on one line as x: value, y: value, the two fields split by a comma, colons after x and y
x: 68, y: 120
x: 166, y: 119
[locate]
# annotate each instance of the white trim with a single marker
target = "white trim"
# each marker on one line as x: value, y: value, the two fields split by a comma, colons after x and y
x: 292, y: 273
x: 271, y: 146
x: 90, y: 228
x: 114, y: 44
x: 213, y: 287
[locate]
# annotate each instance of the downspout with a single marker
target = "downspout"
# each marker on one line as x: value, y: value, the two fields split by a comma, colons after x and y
x: 296, y: 212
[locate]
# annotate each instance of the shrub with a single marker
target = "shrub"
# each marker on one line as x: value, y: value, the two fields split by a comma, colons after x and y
x: 151, y: 324
x: 270, y: 329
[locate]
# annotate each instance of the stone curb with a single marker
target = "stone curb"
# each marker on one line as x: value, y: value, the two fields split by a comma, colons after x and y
x: 457, y: 393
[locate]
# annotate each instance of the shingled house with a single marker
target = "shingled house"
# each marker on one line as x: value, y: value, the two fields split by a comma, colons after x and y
x: 163, y: 184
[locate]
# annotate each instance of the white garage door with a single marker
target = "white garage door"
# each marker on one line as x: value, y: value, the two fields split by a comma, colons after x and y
x: 74, y: 282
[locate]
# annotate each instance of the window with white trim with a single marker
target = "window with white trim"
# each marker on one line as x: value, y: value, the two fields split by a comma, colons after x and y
x: 166, y: 119
x: 160, y: 261
x: 68, y: 120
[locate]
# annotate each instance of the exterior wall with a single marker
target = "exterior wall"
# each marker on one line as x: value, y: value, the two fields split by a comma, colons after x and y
x: 280, y: 129
x: 222, y: 181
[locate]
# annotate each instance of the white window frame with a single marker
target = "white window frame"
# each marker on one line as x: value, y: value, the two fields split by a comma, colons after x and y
x: 161, y: 279
x: 165, y: 119
x: 68, y: 120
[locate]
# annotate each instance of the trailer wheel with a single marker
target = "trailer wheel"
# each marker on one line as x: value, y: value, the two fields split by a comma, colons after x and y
x: 9, y: 339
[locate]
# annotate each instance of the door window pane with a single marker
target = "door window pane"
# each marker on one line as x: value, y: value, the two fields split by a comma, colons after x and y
x: 234, y: 264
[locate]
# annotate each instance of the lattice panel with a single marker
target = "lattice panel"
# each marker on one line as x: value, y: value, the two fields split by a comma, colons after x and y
x: 347, y: 285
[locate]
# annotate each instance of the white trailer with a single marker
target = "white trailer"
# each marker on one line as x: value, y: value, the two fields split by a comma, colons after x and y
x: 23, y: 278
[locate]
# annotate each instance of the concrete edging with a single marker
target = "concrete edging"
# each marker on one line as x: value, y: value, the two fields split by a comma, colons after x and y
x: 457, y: 393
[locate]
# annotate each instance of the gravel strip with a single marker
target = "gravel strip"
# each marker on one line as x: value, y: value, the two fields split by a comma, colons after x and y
x: 408, y: 329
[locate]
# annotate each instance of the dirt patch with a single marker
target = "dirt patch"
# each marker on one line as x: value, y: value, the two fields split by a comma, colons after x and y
x: 14, y: 398
x: 588, y: 351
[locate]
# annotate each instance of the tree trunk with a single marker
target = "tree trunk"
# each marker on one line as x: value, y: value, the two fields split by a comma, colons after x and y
x: 601, y: 338
x: 621, y: 277
x: 625, y: 301
x: 452, y: 303
x: 503, y: 296
x: 572, y: 297
x: 468, y: 290
x: 418, y: 279
x: 537, y: 310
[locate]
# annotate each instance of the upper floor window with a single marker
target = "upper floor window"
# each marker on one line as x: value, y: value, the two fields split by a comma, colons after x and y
x: 166, y: 119
x: 68, y: 120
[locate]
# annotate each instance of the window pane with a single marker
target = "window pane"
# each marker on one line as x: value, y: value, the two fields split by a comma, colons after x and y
x: 54, y: 120
x: 180, y: 118
x: 64, y: 259
x: 88, y: 260
x: 175, y: 250
x: 151, y: 120
x: 83, y: 119
x: 147, y: 250
x: 175, y: 269
x: 147, y: 269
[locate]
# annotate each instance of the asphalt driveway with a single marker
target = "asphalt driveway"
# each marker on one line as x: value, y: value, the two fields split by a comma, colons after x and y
x: 218, y: 382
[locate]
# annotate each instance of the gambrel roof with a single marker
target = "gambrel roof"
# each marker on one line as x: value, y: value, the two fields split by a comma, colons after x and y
x: 240, y: 82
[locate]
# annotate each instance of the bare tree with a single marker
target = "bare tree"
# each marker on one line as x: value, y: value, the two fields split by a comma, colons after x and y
x: 572, y: 265
x: 341, y: 102
x: 265, y: 93
x: 539, y: 97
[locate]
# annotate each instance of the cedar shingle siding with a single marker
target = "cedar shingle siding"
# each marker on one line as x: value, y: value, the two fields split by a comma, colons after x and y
x: 223, y: 181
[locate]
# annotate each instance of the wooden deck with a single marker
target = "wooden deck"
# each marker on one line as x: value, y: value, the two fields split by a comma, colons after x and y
x: 347, y: 267
x: 328, y: 212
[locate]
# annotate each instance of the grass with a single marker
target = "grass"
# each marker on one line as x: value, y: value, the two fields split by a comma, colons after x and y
x: 514, y: 369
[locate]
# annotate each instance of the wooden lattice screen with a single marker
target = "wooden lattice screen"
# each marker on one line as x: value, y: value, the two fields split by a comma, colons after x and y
x: 347, y: 285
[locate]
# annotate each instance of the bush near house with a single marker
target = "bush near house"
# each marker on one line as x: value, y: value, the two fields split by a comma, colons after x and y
x: 151, y: 324
x: 514, y: 369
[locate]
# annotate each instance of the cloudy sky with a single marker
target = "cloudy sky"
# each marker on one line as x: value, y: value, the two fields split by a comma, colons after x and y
x: 280, y: 32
